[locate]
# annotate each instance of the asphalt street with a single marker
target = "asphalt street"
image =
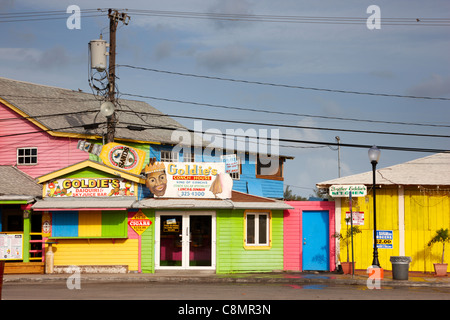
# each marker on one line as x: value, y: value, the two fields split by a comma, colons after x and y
x: 59, y: 290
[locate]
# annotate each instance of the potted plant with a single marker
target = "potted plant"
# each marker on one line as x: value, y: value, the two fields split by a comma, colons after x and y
x: 442, y: 236
x: 345, y: 240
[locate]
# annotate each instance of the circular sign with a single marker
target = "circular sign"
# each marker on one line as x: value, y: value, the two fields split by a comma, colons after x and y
x: 123, y: 157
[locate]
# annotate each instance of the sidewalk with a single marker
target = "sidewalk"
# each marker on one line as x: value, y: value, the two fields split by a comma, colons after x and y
x: 416, y: 279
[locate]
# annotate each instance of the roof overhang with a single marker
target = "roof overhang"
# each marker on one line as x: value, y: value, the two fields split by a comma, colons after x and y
x: 83, y: 204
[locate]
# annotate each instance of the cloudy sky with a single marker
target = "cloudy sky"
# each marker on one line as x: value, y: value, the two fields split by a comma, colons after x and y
x: 406, y: 59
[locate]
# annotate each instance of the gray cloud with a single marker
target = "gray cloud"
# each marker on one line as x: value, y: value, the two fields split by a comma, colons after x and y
x: 436, y: 85
x: 219, y: 59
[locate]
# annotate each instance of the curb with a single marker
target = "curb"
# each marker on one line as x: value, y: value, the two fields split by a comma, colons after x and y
x: 248, y: 279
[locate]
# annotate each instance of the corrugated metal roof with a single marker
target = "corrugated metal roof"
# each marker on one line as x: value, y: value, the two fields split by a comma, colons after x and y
x: 15, y: 184
x: 431, y: 170
x: 84, y: 203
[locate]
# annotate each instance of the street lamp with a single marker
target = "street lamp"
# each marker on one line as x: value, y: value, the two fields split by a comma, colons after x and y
x: 374, y: 156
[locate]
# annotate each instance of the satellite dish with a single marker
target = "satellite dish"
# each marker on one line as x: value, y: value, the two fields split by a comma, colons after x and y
x: 107, y: 109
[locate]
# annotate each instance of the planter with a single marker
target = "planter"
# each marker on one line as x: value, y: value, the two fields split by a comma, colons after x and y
x: 347, y: 267
x: 440, y: 269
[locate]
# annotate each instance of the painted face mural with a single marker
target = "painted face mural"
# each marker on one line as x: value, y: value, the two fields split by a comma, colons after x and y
x: 156, y: 179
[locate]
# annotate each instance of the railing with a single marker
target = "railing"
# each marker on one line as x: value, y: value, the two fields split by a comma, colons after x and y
x: 37, y: 245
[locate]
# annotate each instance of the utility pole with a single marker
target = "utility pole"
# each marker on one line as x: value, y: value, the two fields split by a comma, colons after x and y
x: 114, y: 18
x: 339, y: 155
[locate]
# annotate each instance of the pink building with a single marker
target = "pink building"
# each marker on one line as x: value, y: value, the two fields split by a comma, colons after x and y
x: 30, y: 147
x: 308, y: 241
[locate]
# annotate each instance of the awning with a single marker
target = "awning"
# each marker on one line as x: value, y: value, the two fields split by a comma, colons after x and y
x: 83, y: 204
x: 208, y: 204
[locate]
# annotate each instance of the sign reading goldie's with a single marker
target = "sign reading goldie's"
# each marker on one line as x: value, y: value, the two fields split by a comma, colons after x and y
x: 188, y: 180
x: 89, y: 187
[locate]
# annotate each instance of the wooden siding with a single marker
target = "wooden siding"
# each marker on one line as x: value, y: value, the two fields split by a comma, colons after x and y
x: 425, y: 212
x: 89, y: 223
x: 293, y: 232
x: 231, y: 255
x: 97, y: 252
x: 53, y: 153
x: 148, y: 244
x: 387, y: 219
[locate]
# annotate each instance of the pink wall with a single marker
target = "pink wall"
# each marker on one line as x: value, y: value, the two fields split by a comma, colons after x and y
x: 53, y: 153
x: 293, y: 232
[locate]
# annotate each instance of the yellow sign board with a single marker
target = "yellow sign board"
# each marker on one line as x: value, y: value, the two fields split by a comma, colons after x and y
x: 123, y: 157
x: 139, y: 222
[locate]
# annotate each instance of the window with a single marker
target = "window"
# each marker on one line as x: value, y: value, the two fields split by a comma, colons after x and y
x: 269, y: 168
x: 27, y: 156
x: 257, y: 230
x: 169, y: 156
x: 188, y: 157
x: 89, y: 224
x: 237, y: 175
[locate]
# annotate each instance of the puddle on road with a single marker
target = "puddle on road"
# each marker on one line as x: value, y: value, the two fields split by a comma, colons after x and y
x: 308, y: 287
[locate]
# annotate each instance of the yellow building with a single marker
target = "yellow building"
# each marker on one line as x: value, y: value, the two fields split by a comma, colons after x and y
x: 412, y: 202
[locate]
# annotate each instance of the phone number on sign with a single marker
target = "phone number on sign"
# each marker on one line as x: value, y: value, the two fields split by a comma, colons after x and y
x: 191, y: 193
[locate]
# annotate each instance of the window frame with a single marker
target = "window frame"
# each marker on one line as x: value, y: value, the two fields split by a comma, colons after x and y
x: 257, y: 245
x: 25, y: 156
x: 169, y: 156
x: 276, y: 176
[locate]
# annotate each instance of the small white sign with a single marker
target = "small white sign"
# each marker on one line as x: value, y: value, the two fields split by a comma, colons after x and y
x: 344, y: 190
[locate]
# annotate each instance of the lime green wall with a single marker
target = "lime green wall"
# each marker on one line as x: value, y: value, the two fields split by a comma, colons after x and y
x: 231, y: 254
x: 148, y: 244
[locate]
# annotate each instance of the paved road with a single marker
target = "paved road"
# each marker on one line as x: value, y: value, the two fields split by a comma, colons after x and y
x: 207, y: 291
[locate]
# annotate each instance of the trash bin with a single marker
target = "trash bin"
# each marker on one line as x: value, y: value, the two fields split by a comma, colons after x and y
x: 400, y: 267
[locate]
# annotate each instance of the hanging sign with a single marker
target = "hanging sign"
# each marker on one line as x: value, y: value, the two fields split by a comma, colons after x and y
x: 139, y: 222
x: 11, y: 246
x: 344, y: 190
x: 89, y: 187
x: 123, y: 157
x: 188, y: 180
x: 231, y: 163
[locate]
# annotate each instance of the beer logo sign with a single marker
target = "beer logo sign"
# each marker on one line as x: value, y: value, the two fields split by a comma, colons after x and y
x: 123, y: 157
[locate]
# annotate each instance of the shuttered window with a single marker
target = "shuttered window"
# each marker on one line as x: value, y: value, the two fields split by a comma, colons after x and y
x: 89, y: 224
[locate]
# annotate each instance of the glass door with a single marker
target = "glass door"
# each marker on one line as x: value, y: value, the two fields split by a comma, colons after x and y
x: 171, y: 241
x: 185, y: 240
x: 200, y: 241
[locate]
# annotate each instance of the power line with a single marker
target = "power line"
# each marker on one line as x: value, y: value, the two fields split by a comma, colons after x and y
x: 292, y: 126
x: 282, y: 113
x: 284, y: 85
x: 437, y: 22
x: 220, y: 107
x: 350, y: 145
x: 416, y: 21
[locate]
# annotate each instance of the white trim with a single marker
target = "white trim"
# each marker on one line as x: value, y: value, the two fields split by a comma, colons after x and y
x: 401, y: 220
x: 185, y: 239
x: 337, y: 224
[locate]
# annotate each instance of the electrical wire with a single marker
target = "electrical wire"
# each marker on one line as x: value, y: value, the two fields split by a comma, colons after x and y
x: 284, y: 85
x: 283, y: 113
x: 292, y: 126
x: 350, y: 145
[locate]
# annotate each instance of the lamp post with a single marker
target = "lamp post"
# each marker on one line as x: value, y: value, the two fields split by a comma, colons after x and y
x: 374, y: 157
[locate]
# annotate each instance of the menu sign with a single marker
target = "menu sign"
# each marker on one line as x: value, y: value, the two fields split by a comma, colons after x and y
x: 11, y: 246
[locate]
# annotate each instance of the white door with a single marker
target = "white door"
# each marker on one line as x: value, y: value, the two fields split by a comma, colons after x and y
x: 185, y: 240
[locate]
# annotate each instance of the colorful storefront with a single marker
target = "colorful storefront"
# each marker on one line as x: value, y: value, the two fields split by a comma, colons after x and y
x: 103, y: 220
x: 412, y: 202
x: 308, y: 236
